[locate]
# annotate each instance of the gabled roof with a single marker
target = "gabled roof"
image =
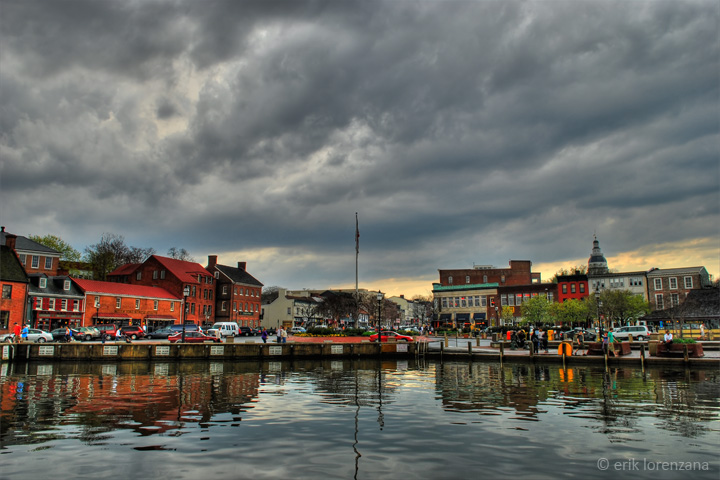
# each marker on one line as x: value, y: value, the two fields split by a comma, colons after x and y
x: 24, y: 244
x: 186, y: 272
x: 657, y: 272
x: 699, y: 304
x: 127, y: 269
x: 11, y: 270
x: 55, y: 286
x: 238, y: 275
x: 123, y: 289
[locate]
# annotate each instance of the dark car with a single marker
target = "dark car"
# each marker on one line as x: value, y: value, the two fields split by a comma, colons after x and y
x: 59, y: 335
x: 164, y: 332
x: 246, y: 332
x: 588, y: 336
x: 133, y: 332
x: 193, y: 337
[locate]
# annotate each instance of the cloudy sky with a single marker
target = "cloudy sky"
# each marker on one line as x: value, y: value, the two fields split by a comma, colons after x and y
x: 461, y: 132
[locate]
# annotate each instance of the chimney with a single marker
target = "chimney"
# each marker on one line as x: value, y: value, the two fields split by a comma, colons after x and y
x: 212, y: 261
x: 10, y: 240
x: 242, y: 265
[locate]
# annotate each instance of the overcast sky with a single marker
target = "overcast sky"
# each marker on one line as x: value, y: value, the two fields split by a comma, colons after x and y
x: 461, y: 132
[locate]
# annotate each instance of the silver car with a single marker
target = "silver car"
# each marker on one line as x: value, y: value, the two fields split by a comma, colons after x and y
x: 34, y: 335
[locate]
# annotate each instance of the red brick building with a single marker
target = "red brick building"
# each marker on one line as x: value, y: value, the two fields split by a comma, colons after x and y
x: 127, y: 304
x: 14, y: 282
x: 175, y: 276
x: 237, y: 294
x: 34, y: 257
x: 572, y: 287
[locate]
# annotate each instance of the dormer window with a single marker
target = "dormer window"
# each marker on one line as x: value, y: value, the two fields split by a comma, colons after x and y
x: 66, y: 285
x: 43, y: 282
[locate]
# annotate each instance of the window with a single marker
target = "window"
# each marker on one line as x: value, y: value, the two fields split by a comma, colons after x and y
x: 192, y: 308
x: 155, y: 305
x: 194, y: 291
x: 118, y: 302
x: 155, y: 274
x: 467, y: 278
x: 484, y: 278
x: 582, y: 288
x: 518, y: 299
x: 659, y: 301
x: 162, y: 274
x: 7, y: 291
x: 38, y: 304
x: 444, y: 302
x: 658, y: 284
x: 137, y: 304
x: 464, y: 302
x: 572, y: 288
x: 5, y: 319
x: 48, y: 263
x: 223, y: 305
x: 674, y: 300
x: 224, y: 290
x: 673, y: 283
x: 217, y: 274
x: 688, y: 282
x: 483, y: 300
x: 97, y: 302
x: 51, y: 304
x: 35, y: 262
x: 23, y: 259
x: 502, y: 278
x: 138, y: 275
x: 477, y: 300
x: 550, y: 297
x: 234, y: 306
x: 209, y: 310
x: 564, y: 288
x: 172, y: 306
x: 43, y: 282
x: 63, y: 305
x: 511, y: 300
x: 66, y: 285
x: 503, y: 300
x: 450, y: 280
x: 235, y: 291
x: 76, y: 305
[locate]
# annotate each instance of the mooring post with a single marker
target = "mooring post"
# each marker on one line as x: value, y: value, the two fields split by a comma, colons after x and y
x: 470, y: 349
x: 446, y: 339
x: 642, y: 356
x: 685, y: 353
x: 502, y: 351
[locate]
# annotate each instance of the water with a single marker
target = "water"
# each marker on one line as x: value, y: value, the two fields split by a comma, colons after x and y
x: 356, y: 419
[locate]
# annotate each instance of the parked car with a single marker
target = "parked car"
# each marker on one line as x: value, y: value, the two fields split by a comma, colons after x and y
x: 639, y: 332
x: 34, y: 335
x: 588, y: 336
x: 246, y: 332
x: 193, y: 337
x: 8, y: 337
x: 295, y: 330
x: 385, y: 336
x: 86, y: 333
x: 134, y: 332
x: 109, y: 330
x: 58, y: 334
x: 227, y: 329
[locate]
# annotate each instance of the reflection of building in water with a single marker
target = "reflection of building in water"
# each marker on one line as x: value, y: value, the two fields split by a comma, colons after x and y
x: 136, y: 399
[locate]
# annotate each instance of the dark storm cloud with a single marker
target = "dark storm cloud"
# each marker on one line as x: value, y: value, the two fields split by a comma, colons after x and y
x: 462, y: 131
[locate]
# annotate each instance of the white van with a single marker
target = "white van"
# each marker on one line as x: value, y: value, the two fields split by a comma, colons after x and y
x: 639, y: 332
x: 227, y: 329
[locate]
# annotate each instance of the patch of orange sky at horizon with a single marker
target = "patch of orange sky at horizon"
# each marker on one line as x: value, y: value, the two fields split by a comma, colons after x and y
x: 702, y: 252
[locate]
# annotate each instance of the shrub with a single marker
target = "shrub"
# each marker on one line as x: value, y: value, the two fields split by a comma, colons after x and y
x: 684, y: 340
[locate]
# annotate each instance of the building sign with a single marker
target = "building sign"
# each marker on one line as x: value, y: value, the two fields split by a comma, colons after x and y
x: 217, y: 350
x: 46, y: 351
x: 401, y: 347
x: 336, y: 349
x: 275, y: 350
x: 162, y: 350
x: 110, y: 350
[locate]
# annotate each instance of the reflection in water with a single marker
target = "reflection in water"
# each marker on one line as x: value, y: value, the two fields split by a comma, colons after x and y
x: 365, y: 419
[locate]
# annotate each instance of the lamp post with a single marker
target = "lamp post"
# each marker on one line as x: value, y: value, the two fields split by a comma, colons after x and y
x: 379, y: 299
x: 186, y: 293
x: 597, y: 304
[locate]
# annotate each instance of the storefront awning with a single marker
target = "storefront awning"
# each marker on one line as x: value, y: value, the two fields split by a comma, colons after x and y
x: 445, y: 316
x: 160, y: 317
x: 112, y: 316
x: 462, y: 317
x: 478, y: 316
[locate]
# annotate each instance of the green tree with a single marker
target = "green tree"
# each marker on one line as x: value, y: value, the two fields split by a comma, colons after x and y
x: 507, y: 314
x: 622, y: 306
x: 56, y: 243
x: 111, y: 252
x: 570, y: 312
x: 536, y: 310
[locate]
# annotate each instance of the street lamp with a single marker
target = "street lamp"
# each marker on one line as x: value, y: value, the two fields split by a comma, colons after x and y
x: 597, y: 304
x: 379, y: 299
x: 186, y: 293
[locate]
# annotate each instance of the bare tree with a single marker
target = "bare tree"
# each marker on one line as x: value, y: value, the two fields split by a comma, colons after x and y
x: 111, y: 252
x: 180, y: 254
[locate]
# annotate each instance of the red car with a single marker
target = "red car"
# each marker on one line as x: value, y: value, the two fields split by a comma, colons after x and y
x: 385, y: 336
x: 193, y: 337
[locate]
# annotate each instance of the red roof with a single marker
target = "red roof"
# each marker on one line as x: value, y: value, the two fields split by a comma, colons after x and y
x: 186, y: 272
x: 112, y: 288
x: 126, y: 269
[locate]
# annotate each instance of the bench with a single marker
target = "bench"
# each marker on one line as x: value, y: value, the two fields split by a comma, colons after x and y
x: 695, y: 350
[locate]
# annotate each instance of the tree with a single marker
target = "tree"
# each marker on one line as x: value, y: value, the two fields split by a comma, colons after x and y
x: 576, y: 270
x: 337, y: 305
x: 507, y: 314
x: 67, y: 252
x: 269, y: 294
x: 569, y: 312
x: 622, y: 306
x: 180, y: 254
x: 111, y: 252
x: 536, y: 310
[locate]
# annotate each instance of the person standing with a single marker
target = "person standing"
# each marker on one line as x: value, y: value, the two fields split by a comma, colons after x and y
x: 278, y: 335
x: 702, y: 331
x: 580, y: 340
x: 283, y: 335
x: 611, y: 342
x: 24, y: 332
x: 544, y: 338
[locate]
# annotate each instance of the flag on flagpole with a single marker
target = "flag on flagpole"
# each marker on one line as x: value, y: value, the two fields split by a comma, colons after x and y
x: 357, y: 235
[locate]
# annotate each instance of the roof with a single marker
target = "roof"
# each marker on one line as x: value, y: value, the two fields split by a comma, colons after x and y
x: 55, y: 286
x: 186, y: 272
x: 657, y: 272
x: 11, y: 270
x: 126, y: 269
x: 238, y: 275
x: 465, y: 286
x: 123, y: 289
x: 27, y: 245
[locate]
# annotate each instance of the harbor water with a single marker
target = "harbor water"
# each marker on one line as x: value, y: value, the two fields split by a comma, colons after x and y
x: 356, y: 419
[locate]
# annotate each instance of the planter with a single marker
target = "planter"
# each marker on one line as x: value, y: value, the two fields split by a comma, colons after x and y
x: 695, y: 350
x: 652, y: 347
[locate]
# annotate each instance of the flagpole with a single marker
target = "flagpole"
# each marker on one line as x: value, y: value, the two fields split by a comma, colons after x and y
x: 357, y: 254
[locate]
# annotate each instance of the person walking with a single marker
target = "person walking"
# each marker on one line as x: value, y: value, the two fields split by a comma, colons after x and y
x: 68, y: 334
x: 264, y: 335
x: 580, y: 340
x: 16, y: 331
x: 611, y: 342
x: 283, y: 335
x: 24, y: 332
x: 544, y: 339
